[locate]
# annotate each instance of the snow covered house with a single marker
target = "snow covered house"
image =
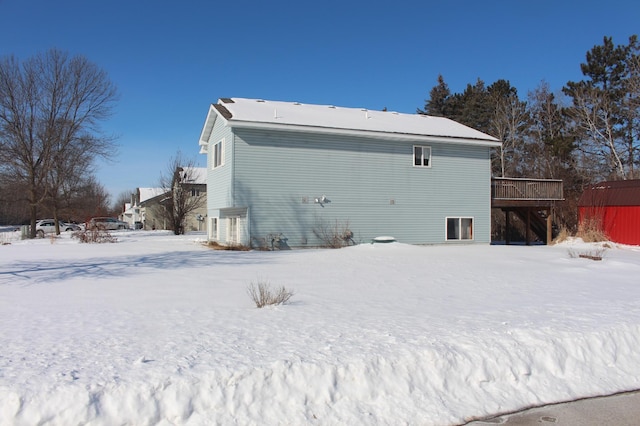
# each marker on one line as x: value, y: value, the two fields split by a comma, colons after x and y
x: 150, y: 202
x: 300, y: 174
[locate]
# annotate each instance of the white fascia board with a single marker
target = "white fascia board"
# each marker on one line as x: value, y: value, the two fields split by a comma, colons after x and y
x: 209, y: 122
x: 362, y: 133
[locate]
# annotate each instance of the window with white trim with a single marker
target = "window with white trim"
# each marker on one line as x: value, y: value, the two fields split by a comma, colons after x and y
x: 421, y: 156
x: 459, y: 228
x: 232, y: 230
x: 213, y: 229
x: 218, y: 155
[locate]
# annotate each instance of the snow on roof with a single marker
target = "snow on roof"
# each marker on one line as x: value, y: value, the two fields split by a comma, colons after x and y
x: 241, y: 112
x: 197, y: 175
x: 148, y: 193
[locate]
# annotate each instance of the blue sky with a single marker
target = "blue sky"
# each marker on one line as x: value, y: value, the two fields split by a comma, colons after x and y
x: 171, y: 59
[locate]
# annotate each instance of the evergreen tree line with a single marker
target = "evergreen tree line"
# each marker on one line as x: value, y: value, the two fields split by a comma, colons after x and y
x: 584, y: 133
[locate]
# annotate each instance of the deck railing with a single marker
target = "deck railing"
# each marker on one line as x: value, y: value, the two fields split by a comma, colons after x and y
x: 526, y: 189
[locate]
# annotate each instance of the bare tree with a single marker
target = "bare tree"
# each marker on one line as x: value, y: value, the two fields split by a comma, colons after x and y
x: 123, y: 198
x: 549, y: 144
x: 508, y: 123
x: 594, y: 114
x: 51, y: 106
x: 632, y: 101
x: 181, y: 180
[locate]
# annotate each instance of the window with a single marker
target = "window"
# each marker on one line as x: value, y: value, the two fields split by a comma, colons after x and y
x: 213, y: 229
x: 195, y: 192
x: 422, y: 156
x: 218, y: 154
x: 232, y: 230
x: 459, y: 228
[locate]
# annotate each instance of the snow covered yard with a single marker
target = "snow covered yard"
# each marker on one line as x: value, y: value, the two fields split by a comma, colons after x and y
x: 158, y: 329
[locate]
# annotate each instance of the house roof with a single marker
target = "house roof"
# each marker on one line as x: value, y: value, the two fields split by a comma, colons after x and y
x: 611, y: 193
x: 295, y: 116
x: 148, y: 193
x: 197, y: 175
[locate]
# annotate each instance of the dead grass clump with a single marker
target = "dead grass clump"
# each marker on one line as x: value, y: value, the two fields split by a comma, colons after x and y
x: 590, y: 230
x: 262, y: 294
x: 562, y: 236
x: 94, y: 235
x: 232, y: 247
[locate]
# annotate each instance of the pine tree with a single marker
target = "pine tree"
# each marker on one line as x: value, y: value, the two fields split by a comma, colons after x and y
x: 437, y: 104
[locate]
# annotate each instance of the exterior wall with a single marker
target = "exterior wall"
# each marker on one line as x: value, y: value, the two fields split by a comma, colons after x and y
x: 219, y: 180
x: 192, y: 223
x: 620, y: 223
x: 152, y: 217
x: 371, y: 186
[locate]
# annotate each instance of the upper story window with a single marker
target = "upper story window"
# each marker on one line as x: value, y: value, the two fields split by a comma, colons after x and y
x: 218, y: 154
x: 421, y: 156
x: 195, y: 192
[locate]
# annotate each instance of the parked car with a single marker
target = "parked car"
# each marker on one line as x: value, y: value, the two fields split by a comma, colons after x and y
x: 48, y: 226
x: 107, y: 223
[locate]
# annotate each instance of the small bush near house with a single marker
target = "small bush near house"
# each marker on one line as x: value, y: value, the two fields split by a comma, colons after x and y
x: 234, y: 247
x: 94, y: 235
x: 333, y: 235
x: 262, y: 294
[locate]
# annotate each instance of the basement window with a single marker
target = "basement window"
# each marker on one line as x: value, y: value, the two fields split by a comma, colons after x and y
x: 459, y: 228
x: 421, y: 156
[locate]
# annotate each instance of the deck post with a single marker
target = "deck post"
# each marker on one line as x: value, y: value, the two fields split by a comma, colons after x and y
x: 528, y: 227
x: 507, y: 238
x: 549, y: 225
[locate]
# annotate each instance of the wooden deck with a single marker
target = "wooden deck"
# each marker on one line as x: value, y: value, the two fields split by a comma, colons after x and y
x: 520, y: 192
x: 532, y: 201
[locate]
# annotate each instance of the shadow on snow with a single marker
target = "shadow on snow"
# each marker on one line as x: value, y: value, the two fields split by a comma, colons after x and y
x: 49, y: 271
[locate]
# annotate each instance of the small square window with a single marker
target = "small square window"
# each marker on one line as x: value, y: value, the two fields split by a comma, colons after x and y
x: 421, y: 156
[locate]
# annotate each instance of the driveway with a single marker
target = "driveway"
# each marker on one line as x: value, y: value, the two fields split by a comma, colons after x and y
x: 621, y: 410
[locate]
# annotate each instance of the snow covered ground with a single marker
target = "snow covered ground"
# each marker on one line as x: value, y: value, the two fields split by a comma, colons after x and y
x: 158, y: 329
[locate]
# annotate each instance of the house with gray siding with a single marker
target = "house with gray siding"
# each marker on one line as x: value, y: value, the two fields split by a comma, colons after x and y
x: 294, y: 173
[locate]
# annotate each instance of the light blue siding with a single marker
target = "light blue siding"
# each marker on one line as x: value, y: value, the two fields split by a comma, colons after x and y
x: 219, y: 180
x: 371, y: 185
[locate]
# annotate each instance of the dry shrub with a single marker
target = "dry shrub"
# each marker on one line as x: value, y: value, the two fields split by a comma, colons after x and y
x: 232, y: 247
x: 262, y: 294
x: 563, y: 235
x: 333, y: 235
x: 94, y: 235
x: 5, y: 239
x: 590, y: 230
x: 595, y: 254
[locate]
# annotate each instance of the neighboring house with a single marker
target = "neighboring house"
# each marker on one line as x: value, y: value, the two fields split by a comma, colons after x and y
x: 614, y: 208
x: 153, y: 201
x: 135, y: 212
x: 303, y: 171
x: 145, y: 202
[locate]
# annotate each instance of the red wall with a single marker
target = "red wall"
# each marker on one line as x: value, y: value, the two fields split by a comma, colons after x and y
x: 620, y: 223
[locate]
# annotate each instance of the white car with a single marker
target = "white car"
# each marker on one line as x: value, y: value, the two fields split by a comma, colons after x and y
x: 48, y: 226
x: 108, y: 223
